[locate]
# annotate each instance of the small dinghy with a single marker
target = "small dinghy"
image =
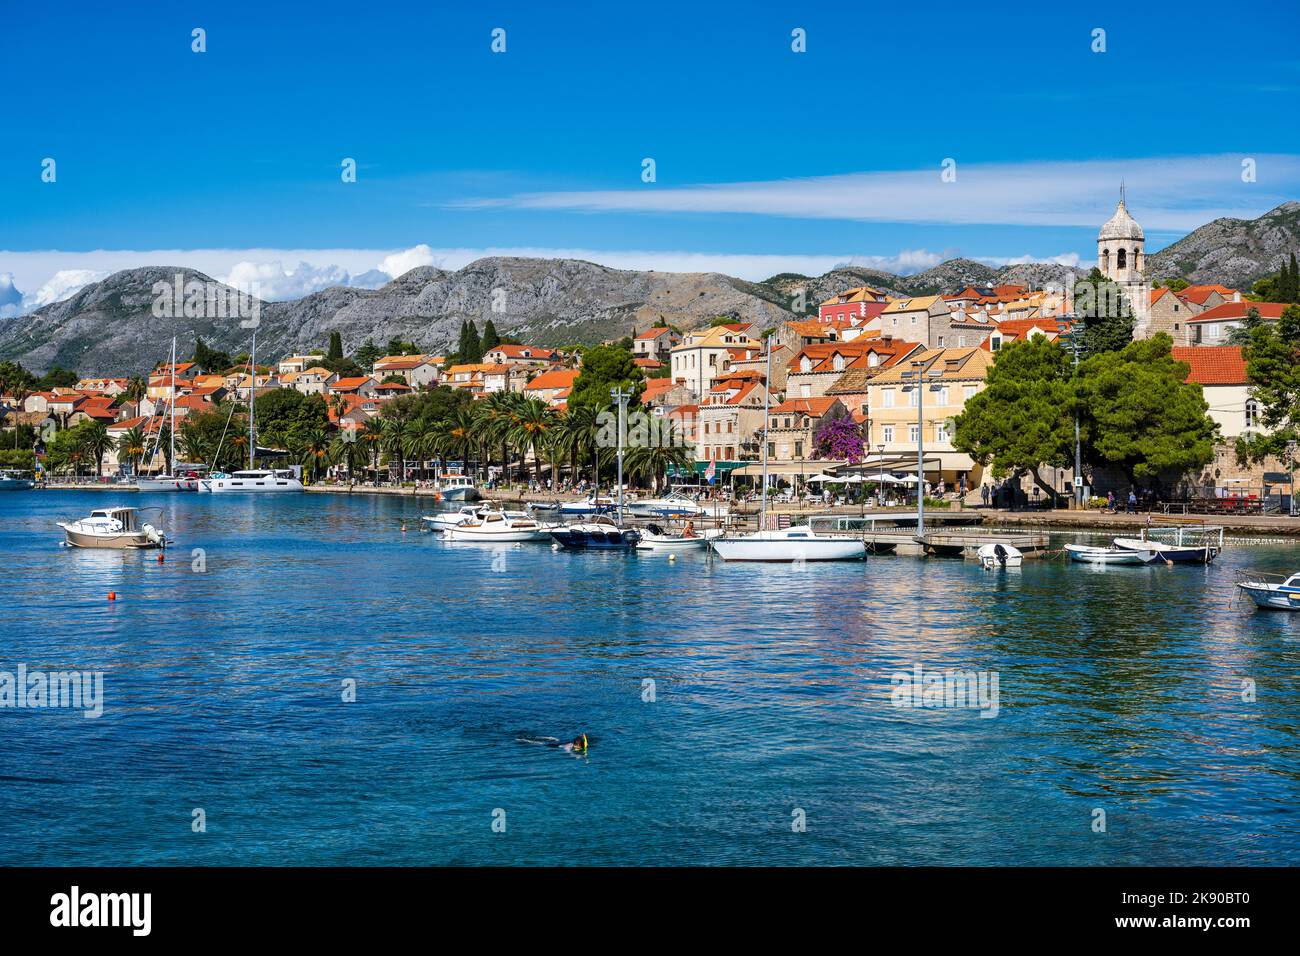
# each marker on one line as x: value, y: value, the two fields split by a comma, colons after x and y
x: 1088, y: 554
x: 655, y: 538
x: 994, y: 556
x: 1274, y: 595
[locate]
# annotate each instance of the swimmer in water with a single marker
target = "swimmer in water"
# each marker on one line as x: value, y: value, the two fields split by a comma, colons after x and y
x: 578, y: 745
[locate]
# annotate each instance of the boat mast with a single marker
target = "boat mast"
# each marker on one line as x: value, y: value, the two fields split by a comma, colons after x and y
x: 171, y: 431
x: 767, y: 396
x: 252, y: 381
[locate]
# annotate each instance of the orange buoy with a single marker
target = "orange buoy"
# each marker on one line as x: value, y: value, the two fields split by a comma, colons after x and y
x: 112, y: 595
x: 160, y: 557
x: 403, y: 529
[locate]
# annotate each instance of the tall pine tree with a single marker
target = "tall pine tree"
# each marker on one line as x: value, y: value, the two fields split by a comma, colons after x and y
x: 336, y: 347
x: 490, y: 338
x: 473, y: 351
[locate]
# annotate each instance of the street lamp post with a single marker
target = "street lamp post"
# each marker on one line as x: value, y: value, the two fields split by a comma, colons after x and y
x: 919, y: 379
x: 621, y: 396
x: 880, y: 488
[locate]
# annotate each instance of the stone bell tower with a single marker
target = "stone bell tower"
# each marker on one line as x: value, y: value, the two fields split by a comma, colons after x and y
x: 1121, y: 257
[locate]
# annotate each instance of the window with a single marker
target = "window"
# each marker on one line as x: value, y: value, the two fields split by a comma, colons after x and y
x: 887, y: 435
x: 961, y: 341
x: 914, y: 397
x: 805, y: 364
x: 968, y: 393
x: 943, y: 395
x: 888, y: 397
x: 941, y: 432
x: 771, y: 449
x: 995, y: 342
x: 1121, y: 259
x: 798, y: 449
x: 913, y: 433
x: 941, y: 341
x: 913, y: 321
x: 713, y: 360
x: 805, y: 391
x: 1252, y: 413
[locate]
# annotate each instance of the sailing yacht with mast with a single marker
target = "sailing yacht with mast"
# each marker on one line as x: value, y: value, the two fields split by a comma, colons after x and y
x: 794, y: 544
x: 254, y: 479
x: 168, y: 481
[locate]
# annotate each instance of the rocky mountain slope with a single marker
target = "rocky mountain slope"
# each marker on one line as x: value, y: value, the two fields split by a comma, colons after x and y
x: 1234, y: 252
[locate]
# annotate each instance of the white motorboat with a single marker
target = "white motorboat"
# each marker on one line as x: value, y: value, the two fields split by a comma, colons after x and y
x: 599, y: 533
x: 446, y: 520
x: 457, y: 488
x: 256, y: 480
x: 496, y: 526
x: 996, y: 555
x: 788, y: 544
x: 590, y: 506
x: 12, y: 480
x: 1089, y: 554
x: 117, y: 528
x: 655, y: 538
x: 1276, y: 595
x: 676, y: 505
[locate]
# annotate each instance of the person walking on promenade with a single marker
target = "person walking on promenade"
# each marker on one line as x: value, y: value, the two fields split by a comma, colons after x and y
x: 1132, y: 502
x: 984, y: 493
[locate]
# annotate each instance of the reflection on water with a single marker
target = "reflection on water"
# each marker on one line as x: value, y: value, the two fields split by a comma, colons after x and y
x: 1121, y: 689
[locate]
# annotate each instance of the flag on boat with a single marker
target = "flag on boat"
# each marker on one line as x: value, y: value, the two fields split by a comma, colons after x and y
x: 710, y: 471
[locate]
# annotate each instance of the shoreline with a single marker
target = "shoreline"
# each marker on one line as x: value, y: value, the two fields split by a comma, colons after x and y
x: 1054, y: 521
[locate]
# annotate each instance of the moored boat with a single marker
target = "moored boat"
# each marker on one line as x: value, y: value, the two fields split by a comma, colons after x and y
x: 788, y: 544
x: 1276, y: 595
x: 116, y: 528
x: 498, y: 526
x: 1090, y: 554
x: 457, y: 488
x: 997, y: 555
x: 449, y: 519
x: 13, y: 480
x: 655, y: 538
x: 256, y: 480
x: 1154, y: 552
x: 599, y: 533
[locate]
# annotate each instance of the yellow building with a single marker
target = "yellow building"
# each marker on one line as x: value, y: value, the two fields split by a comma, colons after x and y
x: 952, y: 377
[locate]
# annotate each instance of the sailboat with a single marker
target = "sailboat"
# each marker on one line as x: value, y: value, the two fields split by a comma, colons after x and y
x: 254, y: 479
x: 168, y: 481
x: 795, y: 544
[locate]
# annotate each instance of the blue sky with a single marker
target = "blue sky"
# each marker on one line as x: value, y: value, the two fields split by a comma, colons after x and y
x: 764, y: 157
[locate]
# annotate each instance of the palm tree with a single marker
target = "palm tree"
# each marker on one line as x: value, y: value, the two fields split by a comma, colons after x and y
x: 372, y: 438
x: 347, y: 450
x: 457, y: 435
x: 392, y: 441
x: 96, y: 442
x: 532, y: 430
x: 496, y: 420
x: 136, y: 388
x: 130, y: 446
x: 577, y: 432
x: 651, y: 461
x: 313, y: 449
x: 417, y: 435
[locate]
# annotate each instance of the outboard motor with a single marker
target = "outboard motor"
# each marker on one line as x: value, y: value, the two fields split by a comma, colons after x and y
x: 154, y: 535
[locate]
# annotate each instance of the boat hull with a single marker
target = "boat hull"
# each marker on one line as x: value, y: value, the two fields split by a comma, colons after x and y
x: 1090, y: 555
x: 124, y: 541
x: 268, y: 486
x: 669, y: 543
x: 1271, y: 598
x: 1153, y: 552
x: 16, y: 484
x: 513, y: 535
x: 167, y: 484
x: 583, y: 539
x: 787, y: 550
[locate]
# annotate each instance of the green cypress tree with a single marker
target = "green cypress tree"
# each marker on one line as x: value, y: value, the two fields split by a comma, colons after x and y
x: 336, y: 347
x: 473, y: 351
x: 490, y: 338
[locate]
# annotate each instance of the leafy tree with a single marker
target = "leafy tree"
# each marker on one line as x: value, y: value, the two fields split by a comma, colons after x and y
x: 1106, y: 314
x: 1023, y: 419
x: 286, y: 417
x: 1273, y: 369
x: 210, y: 360
x: 603, y: 368
x: 343, y: 367
x: 56, y: 378
x: 1139, y: 413
x: 1241, y: 334
x: 367, y: 354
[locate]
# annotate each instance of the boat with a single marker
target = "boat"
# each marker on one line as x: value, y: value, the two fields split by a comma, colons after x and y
x: 655, y: 538
x: 795, y: 544
x: 450, y: 519
x: 593, y: 505
x: 457, y: 488
x: 1175, y: 553
x: 1089, y: 554
x: 168, y: 481
x: 1281, y: 594
x: 677, y: 505
x: 260, y: 480
x: 497, y: 526
x: 254, y: 480
x: 788, y: 544
x: 117, y: 528
x: 599, y: 533
x: 997, y: 555
x: 14, y: 480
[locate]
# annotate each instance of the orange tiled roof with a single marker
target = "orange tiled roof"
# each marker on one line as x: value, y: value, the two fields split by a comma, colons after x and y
x: 1213, y: 364
x: 1230, y: 311
x: 811, y: 406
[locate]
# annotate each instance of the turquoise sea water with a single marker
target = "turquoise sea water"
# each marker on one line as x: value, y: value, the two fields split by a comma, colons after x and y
x: 1119, y: 690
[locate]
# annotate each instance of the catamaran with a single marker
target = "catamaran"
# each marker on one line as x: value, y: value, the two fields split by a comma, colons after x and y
x: 254, y: 479
x: 786, y: 544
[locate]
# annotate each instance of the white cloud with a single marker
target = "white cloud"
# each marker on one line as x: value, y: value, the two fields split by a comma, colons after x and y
x: 62, y: 285
x: 400, y: 263
x: 1168, y: 194
x: 271, y: 281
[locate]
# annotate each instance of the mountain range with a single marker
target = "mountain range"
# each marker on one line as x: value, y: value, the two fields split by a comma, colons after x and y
x: 110, y: 327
